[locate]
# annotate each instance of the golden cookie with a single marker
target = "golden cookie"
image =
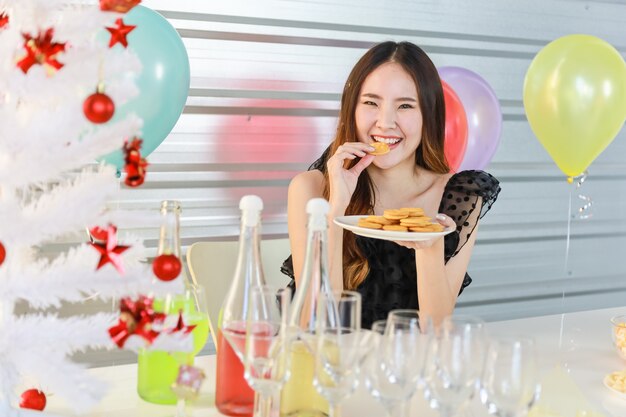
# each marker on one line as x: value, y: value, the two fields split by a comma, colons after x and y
x: 369, y: 225
x: 433, y: 227
x: 380, y: 220
x: 414, y: 211
x: 416, y: 221
x: 394, y: 214
x: 395, y: 228
x: 381, y: 148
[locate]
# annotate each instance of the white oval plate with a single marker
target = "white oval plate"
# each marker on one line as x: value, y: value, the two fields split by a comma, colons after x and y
x: 350, y: 223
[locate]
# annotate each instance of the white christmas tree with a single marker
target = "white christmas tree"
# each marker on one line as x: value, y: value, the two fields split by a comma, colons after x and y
x: 52, y: 57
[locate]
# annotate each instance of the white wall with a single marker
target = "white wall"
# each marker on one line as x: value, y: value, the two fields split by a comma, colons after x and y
x: 266, y: 80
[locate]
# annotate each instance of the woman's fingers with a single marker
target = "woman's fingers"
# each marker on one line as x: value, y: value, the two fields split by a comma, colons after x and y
x: 362, y: 164
x: 350, y: 151
x: 355, y: 148
x: 445, y: 221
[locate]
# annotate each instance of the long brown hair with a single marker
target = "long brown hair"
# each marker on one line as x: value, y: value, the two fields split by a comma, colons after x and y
x: 429, y: 155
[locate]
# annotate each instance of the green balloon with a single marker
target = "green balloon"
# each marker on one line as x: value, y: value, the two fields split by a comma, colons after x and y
x: 163, y: 82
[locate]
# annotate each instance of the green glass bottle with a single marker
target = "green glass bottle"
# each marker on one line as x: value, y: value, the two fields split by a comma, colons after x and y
x: 157, y: 370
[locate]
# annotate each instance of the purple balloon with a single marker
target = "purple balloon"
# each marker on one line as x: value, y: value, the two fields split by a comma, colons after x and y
x: 484, y: 117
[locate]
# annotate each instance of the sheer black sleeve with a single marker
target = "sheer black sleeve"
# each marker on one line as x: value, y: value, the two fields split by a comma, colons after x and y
x: 466, y: 192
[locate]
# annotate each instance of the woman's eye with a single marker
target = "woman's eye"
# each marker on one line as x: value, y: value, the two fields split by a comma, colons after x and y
x: 369, y: 103
x: 406, y: 106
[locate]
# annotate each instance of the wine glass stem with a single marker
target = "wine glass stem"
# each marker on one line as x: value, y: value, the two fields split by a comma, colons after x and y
x: 400, y: 409
x: 263, y: 405
x: 180, y: 408
x: 334, y: 410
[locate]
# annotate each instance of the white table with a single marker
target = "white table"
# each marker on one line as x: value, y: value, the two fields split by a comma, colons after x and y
x: 586, y: 352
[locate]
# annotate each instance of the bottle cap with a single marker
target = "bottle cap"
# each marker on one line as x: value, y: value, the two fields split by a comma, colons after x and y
x: 251, y: 206
x: 170, y: 205
x: 317, y: 208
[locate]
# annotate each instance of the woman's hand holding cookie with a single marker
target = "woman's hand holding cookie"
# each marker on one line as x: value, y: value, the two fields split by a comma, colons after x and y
x: 343, y: 180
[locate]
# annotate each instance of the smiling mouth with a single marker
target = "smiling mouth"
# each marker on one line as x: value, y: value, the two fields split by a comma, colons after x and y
x: 388, y: 140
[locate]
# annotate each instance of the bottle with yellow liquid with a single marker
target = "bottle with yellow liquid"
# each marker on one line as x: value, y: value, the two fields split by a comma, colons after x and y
x: 158, y: 369
x: 299, y: 398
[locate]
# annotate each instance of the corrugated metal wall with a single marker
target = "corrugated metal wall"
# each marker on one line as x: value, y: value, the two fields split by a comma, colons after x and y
x: 266, y: 82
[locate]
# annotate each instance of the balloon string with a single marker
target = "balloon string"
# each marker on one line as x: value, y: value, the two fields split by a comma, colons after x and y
x: 565, y: 269
x: 584, y: 212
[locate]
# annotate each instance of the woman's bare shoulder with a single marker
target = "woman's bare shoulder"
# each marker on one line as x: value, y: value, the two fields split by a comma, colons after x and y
x: 309, y: 182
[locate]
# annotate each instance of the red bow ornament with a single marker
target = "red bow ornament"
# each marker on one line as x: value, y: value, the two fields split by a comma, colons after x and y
x: 41, y: 50
x: 120, y: 6
x: 137, y: 317
x: 135, y: 165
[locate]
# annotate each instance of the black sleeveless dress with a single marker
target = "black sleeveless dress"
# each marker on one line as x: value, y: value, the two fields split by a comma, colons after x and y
x: 392, y: 279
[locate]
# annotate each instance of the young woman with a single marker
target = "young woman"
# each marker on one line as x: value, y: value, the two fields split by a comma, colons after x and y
x: 393, y: 95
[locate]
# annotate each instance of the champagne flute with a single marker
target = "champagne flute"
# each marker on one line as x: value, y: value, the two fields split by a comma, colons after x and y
x: 395, y: 367
x: 268, y: 338
x: 455, y: 363
x: 338, y: 348
x: 510, y: 384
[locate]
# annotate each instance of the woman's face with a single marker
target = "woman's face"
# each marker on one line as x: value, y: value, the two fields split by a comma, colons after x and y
x: 388, y: 111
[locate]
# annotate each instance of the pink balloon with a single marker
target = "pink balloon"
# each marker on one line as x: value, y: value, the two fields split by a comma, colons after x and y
x: 484, y: 117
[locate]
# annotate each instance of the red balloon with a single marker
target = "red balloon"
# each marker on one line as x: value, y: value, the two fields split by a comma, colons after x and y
x: 33, y: 399
x: 98, y: 108
x: 456, y: 128
x: 166, y: 267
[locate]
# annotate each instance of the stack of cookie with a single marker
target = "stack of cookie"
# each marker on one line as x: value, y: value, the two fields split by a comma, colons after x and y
x: 401, y: 220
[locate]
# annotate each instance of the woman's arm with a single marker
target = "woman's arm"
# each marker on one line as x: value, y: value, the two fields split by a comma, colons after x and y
x: 303, y: 187
x: 438, y: 283
x: 309, y: 185
x: 468, y: 196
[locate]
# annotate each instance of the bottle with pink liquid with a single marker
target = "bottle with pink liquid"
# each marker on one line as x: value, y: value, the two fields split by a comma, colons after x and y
x: 233, y: 396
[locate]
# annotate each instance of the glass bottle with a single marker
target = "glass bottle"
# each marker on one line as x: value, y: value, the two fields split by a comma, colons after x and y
x: 157, y: 369
x: 299, y: 397
x: 233, y: 395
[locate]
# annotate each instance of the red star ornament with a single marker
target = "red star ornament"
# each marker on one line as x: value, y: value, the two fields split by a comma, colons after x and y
x: 98, y: 234
x: 4, y: 19
x: 120, y: 6
x: 119, y: 33
x: 110, y: 251
x: 41, y: 50
x: 181, y: 327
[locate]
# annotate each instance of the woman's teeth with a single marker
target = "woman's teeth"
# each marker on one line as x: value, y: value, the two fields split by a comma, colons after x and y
x: 388, y: 141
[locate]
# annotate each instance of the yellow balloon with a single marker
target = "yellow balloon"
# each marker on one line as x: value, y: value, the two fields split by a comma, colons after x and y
x: 575, y: 99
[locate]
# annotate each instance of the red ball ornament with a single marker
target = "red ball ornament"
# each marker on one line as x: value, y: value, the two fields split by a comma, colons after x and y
x: 98, y: 108
x: 166, y: 267
x: 33, y: 399
x: 3, y: 253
